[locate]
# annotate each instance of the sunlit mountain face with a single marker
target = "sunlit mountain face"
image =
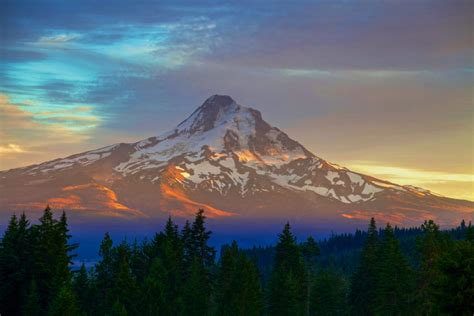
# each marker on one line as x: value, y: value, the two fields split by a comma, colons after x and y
x: 384, y: 89
x: 226, y: 159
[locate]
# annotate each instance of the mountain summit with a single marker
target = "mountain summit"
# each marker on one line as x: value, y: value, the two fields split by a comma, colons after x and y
x: 226, y: 159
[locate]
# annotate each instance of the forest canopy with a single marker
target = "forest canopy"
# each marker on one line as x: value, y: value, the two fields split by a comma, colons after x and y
x: 381, y: 271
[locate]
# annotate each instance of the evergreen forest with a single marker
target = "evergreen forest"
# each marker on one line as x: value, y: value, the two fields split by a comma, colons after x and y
x: 385, y: 270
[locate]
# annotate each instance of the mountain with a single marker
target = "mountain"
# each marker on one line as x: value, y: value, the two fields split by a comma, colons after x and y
x: 226, y: 159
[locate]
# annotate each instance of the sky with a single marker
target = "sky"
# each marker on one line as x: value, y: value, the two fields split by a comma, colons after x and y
x: 381, y: 87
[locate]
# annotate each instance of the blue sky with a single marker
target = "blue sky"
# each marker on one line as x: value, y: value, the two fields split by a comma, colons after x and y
x: 374, y: 85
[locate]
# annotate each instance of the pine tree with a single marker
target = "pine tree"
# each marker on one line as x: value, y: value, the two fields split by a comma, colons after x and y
x: 393, y: 278
x: 117, y: 309
x: 250, y: 291
x: 65, y: 303
x: 288, y: 283
x: 31, y: 306
x: 225, y: 280
x: 66, y: 249
x: 139, y: 261
x: 51, y: 256
x: 200, y: 237
x: 171, y: 257
x: 310, y: 252
x: 15, y: 265
x: 453, y: 289
x: 196, y: 290
x: 363, y: 289
x: 188, y: 244
x: 104, y: 273
x: 154, y: 301
x: 238, y: 290
x: 469, y: 233
x: 82, y: 290
x: 199, y: 260
x: 328, y: 294
x: 9, y: 275
x: 124, y: 287
x: 431, y: 245
x: 45, y: 257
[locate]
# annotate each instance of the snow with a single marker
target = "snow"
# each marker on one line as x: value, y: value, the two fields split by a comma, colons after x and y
x: 201, y: 171
x: 344, y: 200
x: 236, y: 119
x: 370, y: 189
x: 203, y: 156
x: 355, y: 178
x: 331, y: 175
x: 228, y: 163
x: 354, y: 198
x: 83, y: 160
x: 318, y: 190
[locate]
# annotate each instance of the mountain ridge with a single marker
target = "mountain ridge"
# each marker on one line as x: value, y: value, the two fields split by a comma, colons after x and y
x: 226, y: 159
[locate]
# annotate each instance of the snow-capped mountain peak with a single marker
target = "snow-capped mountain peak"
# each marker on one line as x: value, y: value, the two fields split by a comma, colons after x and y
x: 220, y: 127
x: 224, y: 157
x: 213, y: 111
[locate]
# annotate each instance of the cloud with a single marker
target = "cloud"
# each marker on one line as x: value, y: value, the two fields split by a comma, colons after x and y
x: 412, y: 176
x: 24, y: 139
x: 331, y: 35
x: 10, y: 148
x: 460, y: 185
x: 348, y: 79
x: 58, y: 39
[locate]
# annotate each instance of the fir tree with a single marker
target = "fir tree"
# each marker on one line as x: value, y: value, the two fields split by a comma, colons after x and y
x: 238, y: 290
x: 104, y: 273
x: 188, y: 244
x: 82, y: 290
x: 10, y: 294
x: 310, y: 252
x: 393, y: 278
x: 31, y: 306
x: 363, y: 289
x: 154, y: 302
x: 65, y: 303
x: 66, y: 249
x: 328, y: 294
x: 15, y: 265
x: 200, y: 237
x: 139, y: 261
x: 124, y: 287
x: 453, y: 289
x: 469, y: 233
x: 288, y: 283
x: 196, y: 290
x: 171, y: 257
x: 117, y: 309
x: 431, y: 245
x: 199, y: 260
x: 250, y: 291
x: 51, y: 254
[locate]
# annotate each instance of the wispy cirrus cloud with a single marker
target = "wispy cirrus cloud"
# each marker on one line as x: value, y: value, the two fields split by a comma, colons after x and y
x: 26, y: 136
x: 11, y: 148
x: 58, y: 38
x: 460, y: 185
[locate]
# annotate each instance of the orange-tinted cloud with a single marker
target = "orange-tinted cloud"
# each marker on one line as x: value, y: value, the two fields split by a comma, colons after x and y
x: 25, y: 138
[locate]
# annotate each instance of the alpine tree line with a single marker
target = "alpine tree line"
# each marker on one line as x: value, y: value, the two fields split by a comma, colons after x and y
x: 177, y: 273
